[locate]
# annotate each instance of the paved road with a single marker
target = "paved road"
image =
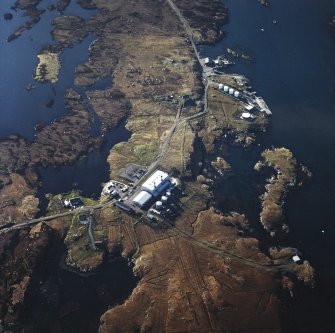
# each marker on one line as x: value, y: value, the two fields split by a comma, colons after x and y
x: 205, y: 70
x: 222, y: 252
x: 187, y: 27
x: 163, y: 149
x: 90, y: 232
x: 31, y: 222
x: 165, y: 146
x: 153, y: 166
x: 178, y: 119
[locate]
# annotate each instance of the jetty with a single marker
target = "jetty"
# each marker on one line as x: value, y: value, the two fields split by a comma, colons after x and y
x: 262, y: 105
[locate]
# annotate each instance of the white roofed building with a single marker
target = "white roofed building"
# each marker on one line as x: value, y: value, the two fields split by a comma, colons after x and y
x: 156, y: 183
x: 246, y: 115
x: 296, y: 259
x: 208, y: 61
x: 142, y: 198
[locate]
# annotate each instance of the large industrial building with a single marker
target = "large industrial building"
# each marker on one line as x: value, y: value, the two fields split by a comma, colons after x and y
x: 156, y: 183
x: 152, y: 187
x: 142, y: 198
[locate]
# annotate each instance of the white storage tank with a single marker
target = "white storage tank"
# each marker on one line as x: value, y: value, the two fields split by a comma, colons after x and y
x: 225, y: 88
x: 246, y: 115
x: 159, y: 205
x: 168, y: 194
x: 221, y: 86
x: 164, y: 199
x: 236, y: 93
x: 231, y: 91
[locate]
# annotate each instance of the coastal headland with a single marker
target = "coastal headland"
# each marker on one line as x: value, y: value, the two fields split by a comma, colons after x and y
x: 202, y: 271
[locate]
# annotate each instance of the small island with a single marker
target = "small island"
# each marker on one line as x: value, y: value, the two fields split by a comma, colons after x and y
x: 48, y: 67
x: 285, y: 165
x: 8, y: 16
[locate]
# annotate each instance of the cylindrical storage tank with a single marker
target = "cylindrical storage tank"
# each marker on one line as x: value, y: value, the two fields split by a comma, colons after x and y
x: 236, y: 93
x: 221, y: 86
x: 168, y: 194
x: 246, y: 115
x: 164, y: 199
x: 231, y: 91
x: 225, y: 88
x: 159, y: 205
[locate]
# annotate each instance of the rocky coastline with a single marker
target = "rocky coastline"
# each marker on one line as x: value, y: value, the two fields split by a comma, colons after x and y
x: 60, y: 143
x: 67, y: 31
x: 31, y: 11
x: 200, y: 272
x: 23, y: 261
x: 285, y: 166
x: 62, y: 5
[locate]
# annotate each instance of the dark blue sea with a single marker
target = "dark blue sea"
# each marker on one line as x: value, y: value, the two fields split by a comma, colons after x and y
x: 293, y: 69
x: 21, y: 110
x: 65, y: 301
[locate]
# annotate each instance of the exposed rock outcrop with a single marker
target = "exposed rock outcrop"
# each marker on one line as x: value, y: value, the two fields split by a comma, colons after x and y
x: 285, y: 165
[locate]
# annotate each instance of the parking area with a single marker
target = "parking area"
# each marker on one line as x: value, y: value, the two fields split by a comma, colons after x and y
x: 117, y: 190
x: 133, y: 172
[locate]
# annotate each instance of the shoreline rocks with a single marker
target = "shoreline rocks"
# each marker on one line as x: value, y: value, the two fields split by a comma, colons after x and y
x: 222, y: 167
x: 60, y: 143
x: 68, y: 31
x: 285, y: 166
x: 62, y: 5
x: 8, y: 16
x: 30, y: 10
